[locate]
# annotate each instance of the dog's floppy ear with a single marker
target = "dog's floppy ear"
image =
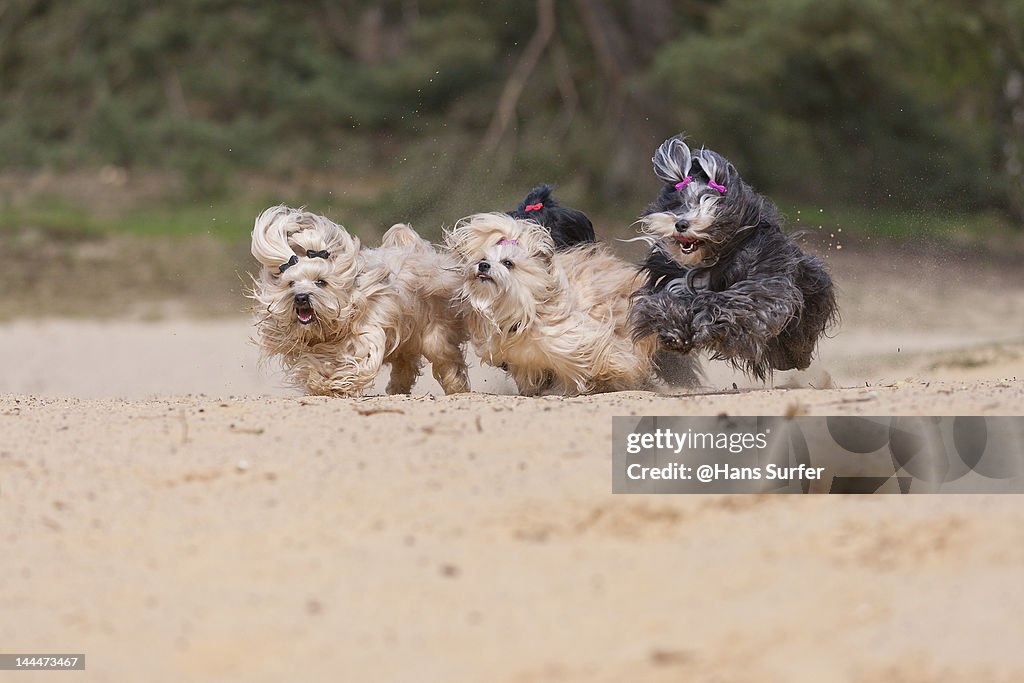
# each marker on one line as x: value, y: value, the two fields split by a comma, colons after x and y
x: 456, y: 239
x: 270, y: 235
x: 672, y: 160
x: 535, y: 240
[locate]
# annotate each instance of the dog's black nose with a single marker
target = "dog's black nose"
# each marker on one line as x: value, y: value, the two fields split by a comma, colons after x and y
x: 682, y: 225
x: 483, y: 266
x: 302, y: 298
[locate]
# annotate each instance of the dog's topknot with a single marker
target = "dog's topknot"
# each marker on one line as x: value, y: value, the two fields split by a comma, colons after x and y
x: 673, y: 159
x: 538, y: 195
x: 281, y: 233
x: 471, y: 235
x: 568, y: 227
x: 679, y: 166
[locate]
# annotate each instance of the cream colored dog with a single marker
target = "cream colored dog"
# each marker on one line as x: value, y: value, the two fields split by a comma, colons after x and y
x: 334, y: 313
x: 556, y: 320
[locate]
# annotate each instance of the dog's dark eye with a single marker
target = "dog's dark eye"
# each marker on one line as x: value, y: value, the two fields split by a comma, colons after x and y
x: 508, y: 264
x: 320, y: 283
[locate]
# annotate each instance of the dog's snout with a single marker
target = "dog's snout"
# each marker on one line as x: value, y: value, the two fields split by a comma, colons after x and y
x: 302, y: 298
x: 483, y: 267
x: 682, y: 225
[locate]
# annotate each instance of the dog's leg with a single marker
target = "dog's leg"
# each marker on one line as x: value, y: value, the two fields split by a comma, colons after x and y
x: 738, y: 324
x: 534, y: 382
x: 525, y: 386
x: 405, y: 368
x: 665, y: 314
x: 312, y: 372
x: 357, y: 369
x: 442, y: 345
x: 794, y: 347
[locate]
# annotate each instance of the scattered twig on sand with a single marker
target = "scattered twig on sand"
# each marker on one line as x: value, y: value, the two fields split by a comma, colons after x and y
x: 870, y: 396
x: 432, y: 429
x: 374, y: 411
x: 245, y: 430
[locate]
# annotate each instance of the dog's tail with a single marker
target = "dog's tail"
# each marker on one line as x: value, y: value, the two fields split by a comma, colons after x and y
x: 402, y: 236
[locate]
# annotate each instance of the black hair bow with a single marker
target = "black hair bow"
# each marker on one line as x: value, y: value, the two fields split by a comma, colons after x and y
x: 310, y: 253
x: 285, y: 266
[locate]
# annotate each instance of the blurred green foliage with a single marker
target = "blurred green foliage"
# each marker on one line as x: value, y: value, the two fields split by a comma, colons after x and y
x: 901, y: 105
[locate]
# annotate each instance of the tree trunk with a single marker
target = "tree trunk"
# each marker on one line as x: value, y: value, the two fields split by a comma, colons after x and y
x: 513, y: 90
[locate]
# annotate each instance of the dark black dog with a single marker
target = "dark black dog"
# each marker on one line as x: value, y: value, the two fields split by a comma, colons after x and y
x: 568, y: 227
x: 722, y: 276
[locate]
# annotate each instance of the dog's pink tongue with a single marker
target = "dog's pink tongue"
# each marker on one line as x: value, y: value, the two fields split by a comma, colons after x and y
x: 305, y: 316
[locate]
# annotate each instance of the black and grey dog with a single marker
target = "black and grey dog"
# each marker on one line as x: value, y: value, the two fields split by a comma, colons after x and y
x: 568, y: 227
x: 722, y: 275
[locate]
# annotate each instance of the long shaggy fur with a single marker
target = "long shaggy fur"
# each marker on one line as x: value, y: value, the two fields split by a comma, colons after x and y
x: 341, y: 312
x: 556, y: 320
x: 721, y: 273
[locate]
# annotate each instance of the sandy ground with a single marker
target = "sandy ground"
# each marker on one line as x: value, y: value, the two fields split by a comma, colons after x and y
x: 177, y: 514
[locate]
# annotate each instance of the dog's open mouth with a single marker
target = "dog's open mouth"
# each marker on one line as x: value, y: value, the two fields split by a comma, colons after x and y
x: 687, y: 244
x: 485, y: 277
x: 304, y: 313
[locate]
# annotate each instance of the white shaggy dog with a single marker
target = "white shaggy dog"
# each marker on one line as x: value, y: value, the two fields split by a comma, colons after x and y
x: 557, y: 321
x: 334, y: 313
